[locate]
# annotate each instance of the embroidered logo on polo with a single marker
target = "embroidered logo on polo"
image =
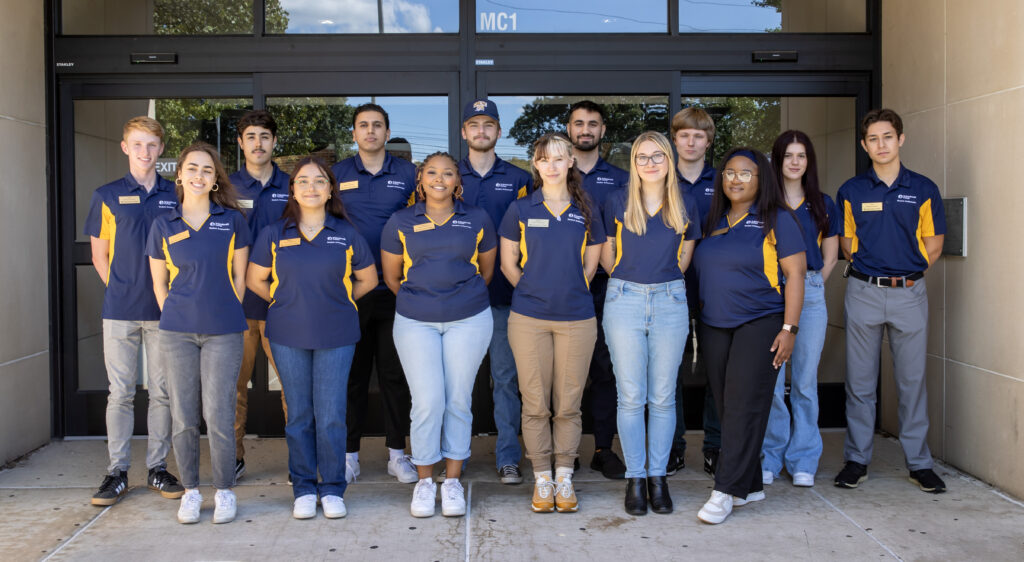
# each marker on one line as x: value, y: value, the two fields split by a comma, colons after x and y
x: 338, y: 240
x: 905, y: 198
x: 753, y: 223
x: 279, y: 197
x: 504, y: 186
x: 396, y: 184
x: 167, y: 204
x: 462, y: 224
x: 575, y: 217
x: 222, y: 226
x: 604, y: 180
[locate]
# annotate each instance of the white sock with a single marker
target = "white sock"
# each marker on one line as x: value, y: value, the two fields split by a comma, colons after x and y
x: 537, y: 474
x: 394, y: 454
x: 563, y: 472
x: 354, y: 457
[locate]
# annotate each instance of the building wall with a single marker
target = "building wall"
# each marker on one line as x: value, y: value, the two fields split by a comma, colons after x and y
x: 955, y: 71
x: 24, y: 331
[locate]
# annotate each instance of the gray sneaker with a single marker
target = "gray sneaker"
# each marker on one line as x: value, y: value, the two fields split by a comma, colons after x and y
x: 510, y: 474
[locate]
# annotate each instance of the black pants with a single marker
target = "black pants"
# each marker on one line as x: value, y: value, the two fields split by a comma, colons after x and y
x: 376, y: 321
x: 742, y: 380
x: 603, y: 395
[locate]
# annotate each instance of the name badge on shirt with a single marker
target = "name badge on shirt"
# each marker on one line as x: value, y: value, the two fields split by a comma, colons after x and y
x: 289, y: 242
x: 422, y: 227
x: 245, y: 203
x: 537, y: 223
x: 876, y: 206
x: 346, y: 185
x: 178, y: 237
x: 129, y: 200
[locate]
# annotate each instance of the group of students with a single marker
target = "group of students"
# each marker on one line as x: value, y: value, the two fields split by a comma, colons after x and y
x: 421, y: 272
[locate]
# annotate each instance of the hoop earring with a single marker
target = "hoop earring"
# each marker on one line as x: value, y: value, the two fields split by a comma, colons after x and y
x: 177, y: 182
x: 215, y: 187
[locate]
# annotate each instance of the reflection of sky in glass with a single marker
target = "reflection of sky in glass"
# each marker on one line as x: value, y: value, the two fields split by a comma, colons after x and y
x: 726, y: 16
x: 360, y: 16
x: 572, y: 16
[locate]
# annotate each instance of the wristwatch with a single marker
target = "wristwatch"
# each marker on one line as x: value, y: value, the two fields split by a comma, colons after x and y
x: 791, y: 328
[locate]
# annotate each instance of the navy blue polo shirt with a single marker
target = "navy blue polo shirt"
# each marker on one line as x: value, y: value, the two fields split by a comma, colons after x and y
x: 812, y: 236
x: 122, y: 212
x: 738, y: 268
x: 494, y: 192
x: 311, y: 280
x: 653, y: 257
x: 703, y: 190
x: 888, y: 224
x: 201, y: 298
x: 371, y: 199
x: 441, y: 279
x: 263, y: 205
x: 602, y: 180
x: 551, y: 244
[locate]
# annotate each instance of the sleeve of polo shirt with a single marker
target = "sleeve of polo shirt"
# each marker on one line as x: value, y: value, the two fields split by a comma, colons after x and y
x: 611, y: 210
x: 390, y: 242
x: 489, y: 240
x: 243, y: 235
x: 362, y: 257
x: 260, y: 253
x: 937, y: 216
x: 154, y: 245
x: 789, y: 239
x: 94, y: 220
x: 510, y: 223
x: 597, y: 232
x: 835, y: 221
x: 693, y: 230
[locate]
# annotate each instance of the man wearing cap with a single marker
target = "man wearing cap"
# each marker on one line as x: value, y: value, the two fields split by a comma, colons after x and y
x: 493, y: 184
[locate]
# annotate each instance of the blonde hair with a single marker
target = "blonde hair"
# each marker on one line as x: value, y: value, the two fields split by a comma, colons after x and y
x: 144, y: 124
x: 673, y: 212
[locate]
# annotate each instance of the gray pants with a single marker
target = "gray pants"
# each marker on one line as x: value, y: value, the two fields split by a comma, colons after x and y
x: 122, y: 340
x: 208, y: 363
x: 904, y: 312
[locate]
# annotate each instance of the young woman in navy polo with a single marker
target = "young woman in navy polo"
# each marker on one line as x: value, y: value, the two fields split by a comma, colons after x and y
x: 303, y: 265
x: 550, y: 248
x: 438, y: 257
x: 752, y: 242
x: 651, y: 225
x: 798, y: 446
x: 197, y: 255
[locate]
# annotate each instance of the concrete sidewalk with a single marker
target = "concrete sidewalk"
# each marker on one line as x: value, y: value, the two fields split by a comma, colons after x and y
x: 45, y: 514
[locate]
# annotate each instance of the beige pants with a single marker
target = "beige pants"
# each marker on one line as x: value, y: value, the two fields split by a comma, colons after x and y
x: 251, y: 339
x: 553, y: 359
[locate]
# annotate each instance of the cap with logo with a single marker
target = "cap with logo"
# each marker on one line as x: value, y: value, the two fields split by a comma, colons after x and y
x: 480, y: 107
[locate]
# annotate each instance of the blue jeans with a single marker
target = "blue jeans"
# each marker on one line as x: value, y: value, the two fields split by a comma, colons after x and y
x: 505, y: 392
x: 646, y: 328
x: 315, y: 385
x: 440, y: 360
x: 799, y: 448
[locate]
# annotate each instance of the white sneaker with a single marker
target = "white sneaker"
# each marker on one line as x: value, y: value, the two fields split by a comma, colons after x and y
x: 225, y: 506
x: 718, y: 507
x: 351, y: 469
x: 188, y: 511
x: 423, y: 498
x: 453, y: 498
x: 304, y: 507
x: 751, y: 497
x: 334, y: 507
x: 767, y: 477
x: 803, y: 479
x: 403, y: 469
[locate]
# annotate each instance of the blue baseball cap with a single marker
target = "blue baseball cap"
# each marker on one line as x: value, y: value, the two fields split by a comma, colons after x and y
x: 480, y: 107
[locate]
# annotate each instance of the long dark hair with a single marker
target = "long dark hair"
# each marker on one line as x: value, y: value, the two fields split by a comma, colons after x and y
x: 225, y: 194
x: 809, y: 181
x: 558, y: 143
x: 334, y: 206
x: 769, y: 196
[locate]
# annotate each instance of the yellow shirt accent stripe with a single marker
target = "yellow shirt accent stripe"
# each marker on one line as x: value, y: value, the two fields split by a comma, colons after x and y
x: 172, y: 270
x: 583, y: 262
x: 850, y: 226
x: 231, y: 272
x: 347, y: 280
x: 771, y: 261
x: 554, y: 214
x: 522, y: 193
x: 522, y: 245
x: 274, y: 280
x: 406, y: 259
x: 108, y: 231
x: 475, y: 260
x: 412, y: 199
x: 618, y: 244
x: 442, y: 223
x: 925, y: 227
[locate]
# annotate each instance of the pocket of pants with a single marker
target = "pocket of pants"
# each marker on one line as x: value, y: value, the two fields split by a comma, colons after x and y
x: 678, y: 294
x: 614, y: 292
x: 815, y: 281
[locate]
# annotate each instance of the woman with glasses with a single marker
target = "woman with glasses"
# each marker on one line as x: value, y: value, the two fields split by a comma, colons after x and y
x: 751, y: 244
x: 798, y: 446
x: 304, y: 266
x: 651, y: 228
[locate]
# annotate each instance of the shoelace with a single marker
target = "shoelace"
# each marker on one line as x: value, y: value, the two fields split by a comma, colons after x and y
x: 565, y: 488
x: 424, y: 491
x: 545, y: 488
x: 453, y: 491
x: 508, y: 470
x: 109, y: 482
x: 226, y: 500
x: 192, y: 501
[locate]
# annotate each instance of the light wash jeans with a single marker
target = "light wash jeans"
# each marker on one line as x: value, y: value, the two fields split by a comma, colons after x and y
x: 440, y: 360
x: 795, y: 442
x: 122, y: 340
x: 315, y: 383
x: 646, y: 328
x: 505, y: 392
x: 206, y: 365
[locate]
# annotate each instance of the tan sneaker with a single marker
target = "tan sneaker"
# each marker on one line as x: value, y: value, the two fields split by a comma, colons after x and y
x: 543, y: 495
x: 565, y: 496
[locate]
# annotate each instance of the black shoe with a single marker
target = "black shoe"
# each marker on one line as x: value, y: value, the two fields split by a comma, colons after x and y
x: 657, y: 493
x: 711, y: 460
x: 164, y: 482
x: 609, y: 464
x: 676, y: 462
x: 636, y: 496
x: 510, y: 474
x: 576, y: 464
x: 239, y: 469
x: 113, y: 487
x: 853, y: 474
x: 928, y: 481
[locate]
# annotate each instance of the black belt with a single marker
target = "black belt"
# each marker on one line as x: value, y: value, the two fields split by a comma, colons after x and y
x: 888, y: 282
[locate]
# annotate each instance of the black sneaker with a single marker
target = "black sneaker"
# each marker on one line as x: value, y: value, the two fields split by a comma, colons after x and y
x: 239, y: 469
x: 852, y: 475
x: 113, y: 487
x: 164, y: 482
x: 676, y: 462
x: 928, y: 481
x: 609, y: 464
x: 510, y: 474
x: 711, y: 460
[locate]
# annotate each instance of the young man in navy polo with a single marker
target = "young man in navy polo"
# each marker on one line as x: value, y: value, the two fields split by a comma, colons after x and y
x: 373, y: 185
x: 586, y: 128
x: 262, y: 193
x: 493, y: 184
x: 118, y: 223
x: 893, y: 230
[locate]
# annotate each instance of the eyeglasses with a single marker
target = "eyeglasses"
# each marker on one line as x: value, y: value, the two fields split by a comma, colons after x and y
x: 657, y: 158
x: 744, y: 176
x: 318, y: 183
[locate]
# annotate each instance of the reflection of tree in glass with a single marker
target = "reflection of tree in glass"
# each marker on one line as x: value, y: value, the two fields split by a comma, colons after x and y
x: 313, y: 125
x: 741, y: 122
x: 200, y: 17
x: 776, y: 4
x: 210, y: 120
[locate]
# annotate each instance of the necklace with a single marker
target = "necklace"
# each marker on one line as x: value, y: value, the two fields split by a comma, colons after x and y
x: 310, y: 230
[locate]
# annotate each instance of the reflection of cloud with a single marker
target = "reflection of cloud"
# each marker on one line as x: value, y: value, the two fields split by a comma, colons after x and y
x: 358, y: 16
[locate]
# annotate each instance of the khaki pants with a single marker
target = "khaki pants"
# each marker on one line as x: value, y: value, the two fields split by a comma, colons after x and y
x: 251, y: 338
x: 553, y: 358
